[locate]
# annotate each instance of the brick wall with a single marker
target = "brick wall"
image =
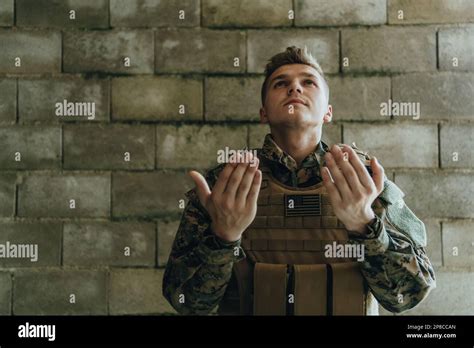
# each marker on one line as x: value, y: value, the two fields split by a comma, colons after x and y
x: 173, y: 82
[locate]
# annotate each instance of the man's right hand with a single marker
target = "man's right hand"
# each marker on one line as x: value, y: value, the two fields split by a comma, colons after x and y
x: 232, y: 204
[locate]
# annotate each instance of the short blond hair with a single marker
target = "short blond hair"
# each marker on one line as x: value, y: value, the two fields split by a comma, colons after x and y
x: 292, y: 55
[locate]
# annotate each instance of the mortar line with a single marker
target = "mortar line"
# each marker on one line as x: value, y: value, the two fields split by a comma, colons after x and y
x: 154, y: 51
x: 61, y: 146
x: 17, y: 109
x: 200, y: 14
x: 437, y: 48
x: 156, y: 244
x: 340, y: 50
x: 155, y: 147
x: 107, y: 289
x: 15, y: 209
x: 441, y: 227
x: 203, y: 86
x: 108, y: 18
x: 110, y: 197
x: 62, y: 51
x: 61, y: 254
x: 439, y: 145
x: 12, y: 279
x: 109, y: 104
x: 14, y: 13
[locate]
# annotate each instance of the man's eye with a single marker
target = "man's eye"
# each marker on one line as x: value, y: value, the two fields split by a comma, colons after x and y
x: 279, y: 83
x: 311, y: 81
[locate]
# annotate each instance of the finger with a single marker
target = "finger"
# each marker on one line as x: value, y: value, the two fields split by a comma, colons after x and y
x: 342, y: 160
x: 233, y: 183
x: 330, y: 186
x: 339, y: 179
x: 246, y: 183
x: 202, y: 187
x: 221, y: 182
x: 235, y: 179
x: 359, y: 167
x: 378, y: 174
x: 254, y: 189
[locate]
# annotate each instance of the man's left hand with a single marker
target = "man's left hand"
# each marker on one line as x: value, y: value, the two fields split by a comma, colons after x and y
x: 352, y: 190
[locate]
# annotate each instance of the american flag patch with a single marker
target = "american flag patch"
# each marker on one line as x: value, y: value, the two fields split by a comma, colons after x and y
x: 303, y: 205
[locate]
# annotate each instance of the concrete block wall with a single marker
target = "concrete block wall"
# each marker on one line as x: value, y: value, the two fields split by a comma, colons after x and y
x: 174, y: 81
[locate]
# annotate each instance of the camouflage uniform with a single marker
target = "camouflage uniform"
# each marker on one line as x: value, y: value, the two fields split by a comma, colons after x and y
x: 198, y: 278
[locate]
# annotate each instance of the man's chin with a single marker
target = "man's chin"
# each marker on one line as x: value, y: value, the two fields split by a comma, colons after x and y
x: 295, y: 120
x: 298, y: 116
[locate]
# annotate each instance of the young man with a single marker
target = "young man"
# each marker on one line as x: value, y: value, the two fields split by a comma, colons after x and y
x: 256, y: 236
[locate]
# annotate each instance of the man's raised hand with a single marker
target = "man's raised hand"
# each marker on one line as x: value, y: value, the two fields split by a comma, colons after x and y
x: 232, y: 203
x: 353, y: 190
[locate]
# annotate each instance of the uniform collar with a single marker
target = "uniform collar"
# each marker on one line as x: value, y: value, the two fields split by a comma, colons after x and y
x: 273, y: 152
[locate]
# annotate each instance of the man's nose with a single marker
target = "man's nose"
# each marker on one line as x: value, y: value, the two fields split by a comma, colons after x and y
x: 294, y: 87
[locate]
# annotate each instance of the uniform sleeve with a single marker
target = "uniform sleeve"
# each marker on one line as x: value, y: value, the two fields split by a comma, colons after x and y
x: 396, y: 266
x: 200, y: 263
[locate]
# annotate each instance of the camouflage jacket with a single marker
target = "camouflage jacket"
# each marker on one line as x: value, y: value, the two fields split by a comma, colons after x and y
x: 398, y: 272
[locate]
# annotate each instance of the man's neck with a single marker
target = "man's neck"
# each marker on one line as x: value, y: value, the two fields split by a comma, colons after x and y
x: 297, y: 144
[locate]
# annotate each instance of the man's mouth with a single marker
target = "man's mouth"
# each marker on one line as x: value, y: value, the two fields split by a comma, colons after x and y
x: 295, y: 101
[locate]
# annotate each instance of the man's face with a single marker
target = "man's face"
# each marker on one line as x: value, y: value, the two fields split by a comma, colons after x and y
x: 296, y: 97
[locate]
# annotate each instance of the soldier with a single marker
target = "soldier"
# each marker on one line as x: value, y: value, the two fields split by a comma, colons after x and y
x: 255, y: 234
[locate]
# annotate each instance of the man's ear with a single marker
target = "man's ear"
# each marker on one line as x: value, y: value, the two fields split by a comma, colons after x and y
x: 263, y: 115
x: 328, y: 115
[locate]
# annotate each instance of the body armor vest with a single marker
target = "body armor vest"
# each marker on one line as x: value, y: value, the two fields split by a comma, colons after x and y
x: 286, y: 271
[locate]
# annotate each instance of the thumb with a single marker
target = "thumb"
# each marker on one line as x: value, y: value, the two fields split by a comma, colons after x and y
x: 202, y: 187
x: 378, y: 174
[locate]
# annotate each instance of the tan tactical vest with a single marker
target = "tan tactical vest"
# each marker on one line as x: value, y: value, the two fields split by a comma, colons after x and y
x: 286, y: 271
